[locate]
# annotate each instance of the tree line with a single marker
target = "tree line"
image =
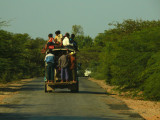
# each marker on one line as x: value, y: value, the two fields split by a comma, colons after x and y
x: 127, y: 56
x: 20, y: 56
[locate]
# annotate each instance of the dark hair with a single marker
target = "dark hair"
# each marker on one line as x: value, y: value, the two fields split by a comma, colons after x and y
x: 50, y: 35
x: 50, y: 51
x: 72, y: 36
x: 58, y: 32
x: 67, y: 35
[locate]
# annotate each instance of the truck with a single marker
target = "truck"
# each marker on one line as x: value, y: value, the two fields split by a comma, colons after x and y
x: 50, y: 86
x: 87, y: 73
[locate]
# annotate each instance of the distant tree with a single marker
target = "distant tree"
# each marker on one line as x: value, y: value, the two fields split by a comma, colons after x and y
x: 99, y: 40
x: 84, y: 41
x: 3, y: 23
x: 20, y: 56
x: 77, y: 30
x: 129, y: 26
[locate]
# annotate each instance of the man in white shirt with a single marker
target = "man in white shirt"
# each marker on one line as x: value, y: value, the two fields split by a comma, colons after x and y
x: 66, y: 40
x: 50, y: 60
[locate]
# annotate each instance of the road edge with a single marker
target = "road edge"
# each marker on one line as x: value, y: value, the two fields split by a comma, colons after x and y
x: 136, y: 105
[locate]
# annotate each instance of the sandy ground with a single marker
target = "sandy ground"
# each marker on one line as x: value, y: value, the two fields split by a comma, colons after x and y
x: 9, y: 89
x: 147, y: 109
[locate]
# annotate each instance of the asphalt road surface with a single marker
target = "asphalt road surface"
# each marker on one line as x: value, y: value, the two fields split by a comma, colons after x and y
x: 91, y: 103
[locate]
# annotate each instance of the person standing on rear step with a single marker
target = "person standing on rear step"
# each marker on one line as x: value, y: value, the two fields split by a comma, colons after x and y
x: 63, y: 64
x: 50, y: 61
x: 72, y: 66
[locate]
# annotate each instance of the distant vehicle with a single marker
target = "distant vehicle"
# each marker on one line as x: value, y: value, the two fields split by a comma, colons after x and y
x: 87, y: 73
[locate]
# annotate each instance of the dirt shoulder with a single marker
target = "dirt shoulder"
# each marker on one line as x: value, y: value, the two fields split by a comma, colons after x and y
x: 12, y: 88
x: 147, y: 109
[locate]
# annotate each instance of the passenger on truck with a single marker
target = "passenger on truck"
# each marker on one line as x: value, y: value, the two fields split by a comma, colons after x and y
x: 72, y: 66
x: 51, y: 39
x: 58, y: 38
x: 63, y: 65
x: 73, y: 42
x: 50, y: 65
x: 66, y: 40
x: 50, y: 43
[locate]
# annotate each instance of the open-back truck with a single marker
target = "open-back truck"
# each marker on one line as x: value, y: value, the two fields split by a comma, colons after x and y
x: 50, y: 86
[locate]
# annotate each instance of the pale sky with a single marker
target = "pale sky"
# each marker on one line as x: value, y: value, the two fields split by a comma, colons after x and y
x: 38, y: 18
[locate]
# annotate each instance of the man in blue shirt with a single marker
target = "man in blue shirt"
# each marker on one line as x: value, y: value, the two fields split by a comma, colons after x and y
x: 50, y: 60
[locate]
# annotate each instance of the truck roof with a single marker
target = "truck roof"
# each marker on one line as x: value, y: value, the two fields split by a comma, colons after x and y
x: 62, y: 49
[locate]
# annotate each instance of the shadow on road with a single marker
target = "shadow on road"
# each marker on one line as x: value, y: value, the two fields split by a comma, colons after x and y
x: 9, y: 89
x: 122, y: 108
x: 16, y: 116
x: 14, y: 106
x: 29, y: 85
x: 80, y: 92
x: 91, y: 92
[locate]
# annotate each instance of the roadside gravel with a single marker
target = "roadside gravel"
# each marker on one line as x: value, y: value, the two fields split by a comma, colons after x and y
x: 149, y: 110
x: 10, y: 89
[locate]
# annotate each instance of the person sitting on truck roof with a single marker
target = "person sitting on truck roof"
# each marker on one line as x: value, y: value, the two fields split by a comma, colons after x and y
x: 51, y: 39
x: 58, y: 37
x: 50, y: 60
x: 66, y: 40
x: 73, y: 42
x: 63, y: 64
x: 50, y: 42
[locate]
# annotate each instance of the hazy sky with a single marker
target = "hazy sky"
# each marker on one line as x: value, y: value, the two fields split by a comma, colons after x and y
x: 38, y: 18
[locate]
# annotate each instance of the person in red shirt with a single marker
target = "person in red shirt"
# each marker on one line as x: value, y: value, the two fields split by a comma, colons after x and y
x: 50, y: 42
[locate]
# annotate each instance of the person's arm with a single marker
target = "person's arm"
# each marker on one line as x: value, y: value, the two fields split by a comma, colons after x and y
x: 55, y: 39
x: 60, y: 35
x: 46, y: 45
x: 45, y: 58
x: 67, y: 42
x: 63, y: 42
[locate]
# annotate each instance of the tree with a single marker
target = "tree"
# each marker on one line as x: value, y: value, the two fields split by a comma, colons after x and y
x: 20, y: 56
x: 3, y: 23
x: 77, y: 30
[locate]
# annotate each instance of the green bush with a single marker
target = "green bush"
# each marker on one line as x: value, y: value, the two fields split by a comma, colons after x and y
x: 20, y: 56
x: 151, y: 75
x: 130, y: 57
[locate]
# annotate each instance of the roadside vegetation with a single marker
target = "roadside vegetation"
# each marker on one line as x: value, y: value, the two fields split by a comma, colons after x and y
x: 20, y: 56
x: 127, y: 56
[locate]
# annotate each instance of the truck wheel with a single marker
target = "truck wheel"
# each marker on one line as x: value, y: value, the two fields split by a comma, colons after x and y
x: 75, y: 88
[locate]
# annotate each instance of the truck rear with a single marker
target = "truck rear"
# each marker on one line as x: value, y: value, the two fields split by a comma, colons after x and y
x: 72, y: 84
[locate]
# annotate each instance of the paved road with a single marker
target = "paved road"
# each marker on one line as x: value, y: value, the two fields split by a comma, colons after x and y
x: 91, y: 103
